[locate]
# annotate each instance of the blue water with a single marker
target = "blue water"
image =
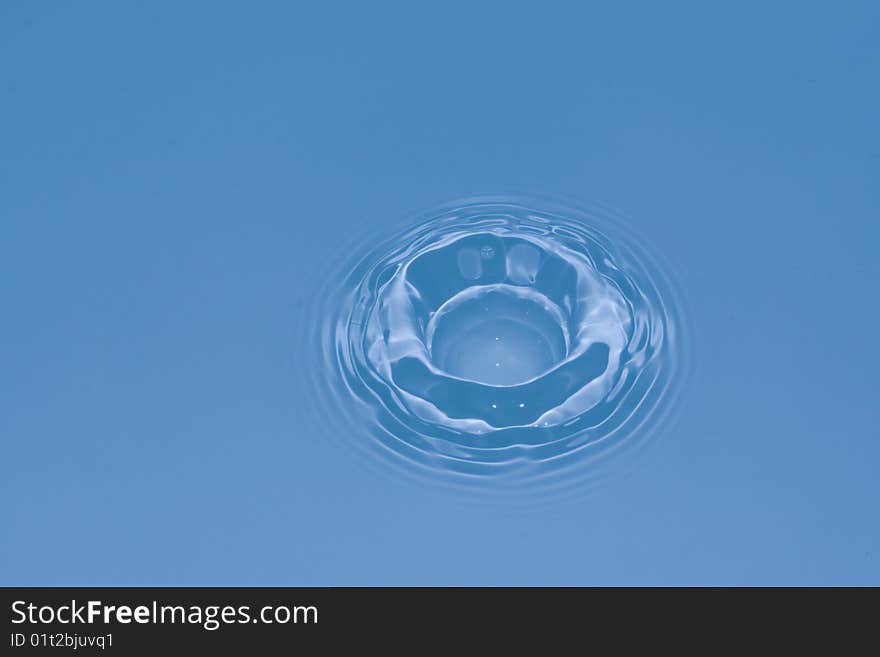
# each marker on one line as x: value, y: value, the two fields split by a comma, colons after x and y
x: 505, y: 339
x: 192, y: 193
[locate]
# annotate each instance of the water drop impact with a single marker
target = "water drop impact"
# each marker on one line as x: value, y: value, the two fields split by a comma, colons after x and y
x: 502, y: 339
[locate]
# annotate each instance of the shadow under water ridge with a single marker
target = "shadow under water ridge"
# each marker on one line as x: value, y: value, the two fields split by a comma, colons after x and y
x: 503, y: 340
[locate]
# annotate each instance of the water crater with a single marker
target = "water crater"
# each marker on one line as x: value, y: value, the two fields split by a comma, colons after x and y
x: 501, y: 336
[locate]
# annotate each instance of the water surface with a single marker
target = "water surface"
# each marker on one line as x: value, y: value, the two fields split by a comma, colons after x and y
x: 499, y: 341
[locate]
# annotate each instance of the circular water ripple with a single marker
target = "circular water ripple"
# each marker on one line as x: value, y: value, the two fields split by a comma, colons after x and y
x: 497, y: 339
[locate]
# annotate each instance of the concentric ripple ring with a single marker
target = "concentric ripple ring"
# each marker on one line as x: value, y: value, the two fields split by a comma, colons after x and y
x: 502, y: 337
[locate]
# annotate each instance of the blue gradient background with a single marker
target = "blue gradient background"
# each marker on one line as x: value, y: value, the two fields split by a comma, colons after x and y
x: 173, y: 174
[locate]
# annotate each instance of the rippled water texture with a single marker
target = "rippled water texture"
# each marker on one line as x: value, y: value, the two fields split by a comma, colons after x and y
x: 494, y: 340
